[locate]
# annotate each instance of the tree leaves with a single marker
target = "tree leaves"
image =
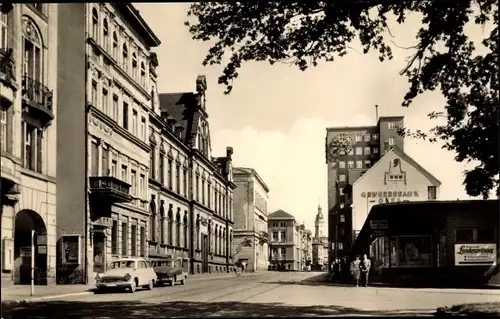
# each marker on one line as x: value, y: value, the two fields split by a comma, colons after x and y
x: 302, y: 33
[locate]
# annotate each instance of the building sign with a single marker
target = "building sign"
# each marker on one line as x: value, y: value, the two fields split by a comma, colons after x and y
x: 379, y: 224
x: 104, y: 222
x: 475, y: 254
x: 390, y: 196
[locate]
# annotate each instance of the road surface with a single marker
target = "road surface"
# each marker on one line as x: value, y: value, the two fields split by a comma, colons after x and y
x: 270, y: 294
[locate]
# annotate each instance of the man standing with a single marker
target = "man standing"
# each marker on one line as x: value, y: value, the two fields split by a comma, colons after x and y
x: 365, y: 266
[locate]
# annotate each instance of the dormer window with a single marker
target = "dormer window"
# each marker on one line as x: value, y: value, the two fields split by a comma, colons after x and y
x: 125, y: 57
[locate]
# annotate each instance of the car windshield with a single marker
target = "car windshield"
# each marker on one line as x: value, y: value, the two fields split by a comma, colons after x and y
x: 122, y: 264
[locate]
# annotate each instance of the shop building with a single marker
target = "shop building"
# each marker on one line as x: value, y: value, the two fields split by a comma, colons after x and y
x: 447, y: 243
x: 191, y: 191
x: 350, y: 152
x: 28, y: 128
x: 396, y: 177
x: 250, y: 219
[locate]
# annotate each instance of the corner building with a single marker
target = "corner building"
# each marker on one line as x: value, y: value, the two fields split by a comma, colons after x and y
x: 191, y: 204
x: 28, y: 126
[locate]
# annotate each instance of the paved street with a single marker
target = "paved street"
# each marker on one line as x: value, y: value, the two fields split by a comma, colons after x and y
x: 269, y: 294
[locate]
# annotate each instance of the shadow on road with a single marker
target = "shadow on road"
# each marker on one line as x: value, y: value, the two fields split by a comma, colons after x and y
x: 176, y: 309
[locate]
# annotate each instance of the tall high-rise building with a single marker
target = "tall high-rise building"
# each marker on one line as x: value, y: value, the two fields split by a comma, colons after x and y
x: 350, y: 152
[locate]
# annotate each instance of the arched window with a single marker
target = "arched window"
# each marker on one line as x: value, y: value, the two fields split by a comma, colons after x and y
x: 95, y: 25
x: 178, y: 229
x: 170, y: 227
x: 216, y: 233
x: 134, y: 65
x: 115, y: 46
x: 186, y: 232
x: 143, y: 74
x: 125, y: 57
x: 106, y: 34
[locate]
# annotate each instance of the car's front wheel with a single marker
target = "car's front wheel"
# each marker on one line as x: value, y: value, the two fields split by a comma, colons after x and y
x: 133, y: 287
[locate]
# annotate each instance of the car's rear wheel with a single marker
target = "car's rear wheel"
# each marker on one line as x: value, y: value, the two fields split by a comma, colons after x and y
x: 174, y: 281
x: 133, y: 287
x: 183, y: 281
x: 150, y: 285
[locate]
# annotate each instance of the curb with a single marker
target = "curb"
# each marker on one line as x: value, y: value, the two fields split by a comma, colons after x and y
x: 38, y: 299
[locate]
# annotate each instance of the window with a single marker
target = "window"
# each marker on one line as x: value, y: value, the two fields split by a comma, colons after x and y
x: 186, y: 231
x: 115, y: 108
x: 197, y: 188
x: 209, y: 195
x: 143, y: 74
x: 342, y: 218
x: 283, y: 251
x: 283, y: 236
x: 152, y: 160
x: 32, y: 63
x: 32, y: 148
x: 464, y: 235
x: 341, y: 178
x: 142, y: 235
x: 142, y: 186
x: 133, y: 179
x: 275, y: 236
x: 134, y: 66
x: 351, y: 151
x: 3, y: 31
x: 161, y: 168
x: 359, y: 151
x: 415, y: 251
x: 114, y: 238
x: 340, y: 245
x: 178, y: 178
x: 134, y: 122
x: 115, y: 46
x: 3, y: 130
x: 143, y: 128
x: 391, y: 126
x: 124, y: 176
x: 342, y: 232
x: 94, y: 159
x: 391, y: 141
x: 367, y: 137
x: 105, y: 101
x: 485, y: 235
x: 106, y: 34
x: 203, y: 191
x: 350, y: 164
x: 367, y: 150
x: 178, y: 230
x: 375, y: 137
x: 170, y: 229
x: 341, y: 164
x: 375, y: 150
x: 124, y: 239
x: 431, y: 192
x: 114, y: 164
x: 368, y: 164
x: 359, y: 164
x: 93, y: 97
x: 185, y: 181
x: 358, y: 138
x: 125, y: 57
x: 169, y: 173
x: 95, y: 25
x: 133, y: 240
x: 105, y: 162
x: 125, y: 116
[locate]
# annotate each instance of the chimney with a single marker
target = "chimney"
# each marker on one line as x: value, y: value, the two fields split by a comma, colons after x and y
x: 229, y: 152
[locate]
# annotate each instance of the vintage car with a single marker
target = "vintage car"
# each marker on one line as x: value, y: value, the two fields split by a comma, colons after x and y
x: 169, y: 270
x: 127, y: 273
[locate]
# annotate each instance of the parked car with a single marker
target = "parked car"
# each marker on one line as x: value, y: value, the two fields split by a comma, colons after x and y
x: 127, y: 273
x: 169, y: 270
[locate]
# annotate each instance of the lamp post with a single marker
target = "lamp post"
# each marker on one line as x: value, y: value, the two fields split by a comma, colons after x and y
x: 33, y: 234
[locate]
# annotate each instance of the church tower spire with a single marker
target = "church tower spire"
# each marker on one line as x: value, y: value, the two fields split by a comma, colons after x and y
x: 319, y: 223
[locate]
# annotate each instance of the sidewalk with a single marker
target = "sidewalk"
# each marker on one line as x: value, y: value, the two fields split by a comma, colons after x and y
x: 22, y: 293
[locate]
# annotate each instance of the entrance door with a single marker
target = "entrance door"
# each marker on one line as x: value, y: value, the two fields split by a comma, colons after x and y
x: 204, y: 253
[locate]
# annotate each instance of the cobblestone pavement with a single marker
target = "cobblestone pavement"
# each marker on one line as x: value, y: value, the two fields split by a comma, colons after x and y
x: 269, y: 294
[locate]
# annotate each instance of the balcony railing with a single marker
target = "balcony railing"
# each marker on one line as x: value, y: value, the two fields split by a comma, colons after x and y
x: 37, y: 93
x: 111, y: 188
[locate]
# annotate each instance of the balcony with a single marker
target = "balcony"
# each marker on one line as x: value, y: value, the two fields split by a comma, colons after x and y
x: 109, y: 189
x: 37, y: 100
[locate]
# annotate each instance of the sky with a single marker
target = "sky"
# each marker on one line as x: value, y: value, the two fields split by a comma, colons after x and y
x: 276, y: 116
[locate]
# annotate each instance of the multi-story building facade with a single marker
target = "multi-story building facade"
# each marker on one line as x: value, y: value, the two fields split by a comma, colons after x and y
x: 191, y: 205
x: 28, y: 128
x: 250, y: 219
x: 364, y: 146
x: 304, y: 248
x: 285, y: 236
x: 320, y: 242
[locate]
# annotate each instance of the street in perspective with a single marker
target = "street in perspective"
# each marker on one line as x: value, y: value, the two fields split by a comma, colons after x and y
x: 249, y: 159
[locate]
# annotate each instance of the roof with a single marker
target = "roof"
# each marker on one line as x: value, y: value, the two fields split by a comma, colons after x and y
x: 280, y: 214
x: 250, y: 171
x: 406, y: 158
x: 351, y: 128
x: 134, y: 17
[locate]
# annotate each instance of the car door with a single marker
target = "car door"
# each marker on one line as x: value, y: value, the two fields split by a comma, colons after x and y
x: 143, y: 269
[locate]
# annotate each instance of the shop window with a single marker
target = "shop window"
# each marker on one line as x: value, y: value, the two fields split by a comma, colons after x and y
x: 415, y: 251
x: 464, y: 235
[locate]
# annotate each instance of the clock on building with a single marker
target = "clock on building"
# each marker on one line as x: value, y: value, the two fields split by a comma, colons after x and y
x: 341, y: 143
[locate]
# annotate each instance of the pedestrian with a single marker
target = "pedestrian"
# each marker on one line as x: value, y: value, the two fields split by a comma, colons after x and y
x: 339, y: 269
x: 365, y: 266
x: 355, y: 269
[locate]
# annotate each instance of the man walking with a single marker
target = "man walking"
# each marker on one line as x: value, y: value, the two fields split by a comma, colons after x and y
x: 365, y: 266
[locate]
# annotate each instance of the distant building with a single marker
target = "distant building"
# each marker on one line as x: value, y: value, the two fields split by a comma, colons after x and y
x: 250, y: 219
x: 367, y: 145
x: 285, y: 239
x: 319, y: 242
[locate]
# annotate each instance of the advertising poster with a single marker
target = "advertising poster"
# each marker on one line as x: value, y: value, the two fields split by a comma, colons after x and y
x: 475, y: 254
x: 70, y: 249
